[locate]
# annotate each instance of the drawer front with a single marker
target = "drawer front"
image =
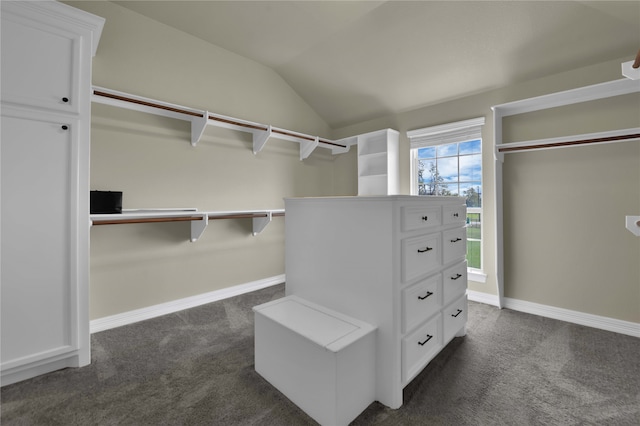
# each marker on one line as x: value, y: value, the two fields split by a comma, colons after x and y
x: 419, y: 347
x: 420, y: 217
x: 454, y: 282
x: 455, y: 317
x: 454, y: 214
x: 454, y: 244
x: 420, y: 255
x: 420, y: 301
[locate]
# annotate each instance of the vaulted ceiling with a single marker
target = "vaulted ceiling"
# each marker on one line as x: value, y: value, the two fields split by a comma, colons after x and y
x: 356, y: 60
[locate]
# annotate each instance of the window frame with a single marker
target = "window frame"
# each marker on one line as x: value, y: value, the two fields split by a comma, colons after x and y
x: 457, y: 132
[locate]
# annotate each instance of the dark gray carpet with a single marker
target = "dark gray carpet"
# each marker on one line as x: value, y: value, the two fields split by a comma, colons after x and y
x: 195, y: 367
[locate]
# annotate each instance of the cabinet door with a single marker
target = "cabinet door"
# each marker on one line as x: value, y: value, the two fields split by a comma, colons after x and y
x: 39, y: 65
x: 38, y: 282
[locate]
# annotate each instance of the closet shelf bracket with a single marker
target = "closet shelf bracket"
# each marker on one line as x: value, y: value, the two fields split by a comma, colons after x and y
x: 260, y: 138
x: 633, y: 224
x: 343, y: 145
x: 198, y: 227
x: 307, y: 147
x: 198, y: 124
x: 261, y: 222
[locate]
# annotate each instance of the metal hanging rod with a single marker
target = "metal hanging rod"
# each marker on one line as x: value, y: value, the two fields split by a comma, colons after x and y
x: 145, y: 220
x: 145, y: 103
x: 542, y: 145
x: 200, y: 118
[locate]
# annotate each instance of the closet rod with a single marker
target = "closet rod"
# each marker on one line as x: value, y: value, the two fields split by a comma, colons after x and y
x: 570, y: 143
x: 146, y: 103
x: 147, y: 220
x: 212, y: 117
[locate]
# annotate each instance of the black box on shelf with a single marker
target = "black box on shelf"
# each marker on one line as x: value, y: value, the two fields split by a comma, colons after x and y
x: 105, y: 202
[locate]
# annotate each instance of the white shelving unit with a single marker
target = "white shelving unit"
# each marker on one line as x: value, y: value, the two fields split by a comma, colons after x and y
x: 378, y: 168
x: 200, y: 119
x: 199, y: 219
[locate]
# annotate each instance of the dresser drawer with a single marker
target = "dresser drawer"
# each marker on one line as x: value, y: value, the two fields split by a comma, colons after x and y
x: 420, y: 255
x: 420, y: 217
x: 454, y: 244
x: 419, y: 347
x: 454, y: 282
x: 455, y: 317
x: 454, y: 214
x: 420, y: 301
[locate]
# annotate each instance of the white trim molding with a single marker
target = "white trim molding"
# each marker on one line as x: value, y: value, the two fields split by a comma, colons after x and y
x: 481, y: 297
x: 446, y: 133
x: 476, y: 275
x: 567, y: 315
x: 130, y: 317
x: 575, y: 317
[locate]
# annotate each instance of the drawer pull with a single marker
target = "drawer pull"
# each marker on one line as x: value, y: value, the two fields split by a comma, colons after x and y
x: 425, y: 218
x: 64, y: 127
x: 65, y: 100
x: 456, y: 240
x: 457, y: 313
x: 455, y: 215
x: 429, y: 293
x: 456, y: 277
x: 429, y: 337
x: 424, y: 250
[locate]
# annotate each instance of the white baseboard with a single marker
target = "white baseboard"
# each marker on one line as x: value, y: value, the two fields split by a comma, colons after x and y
x: 142, y: 314
x: 575, y: 317
x: 589, y: 320
x: 478, y: 296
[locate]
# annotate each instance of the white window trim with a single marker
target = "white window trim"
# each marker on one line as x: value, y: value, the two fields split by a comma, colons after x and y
x: 442, y: 134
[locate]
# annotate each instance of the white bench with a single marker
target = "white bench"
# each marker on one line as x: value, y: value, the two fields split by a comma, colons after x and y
x: 322, y: 360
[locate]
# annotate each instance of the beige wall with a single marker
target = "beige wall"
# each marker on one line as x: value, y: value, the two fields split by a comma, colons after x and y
x: 565, y: 263
x: 150, y: 159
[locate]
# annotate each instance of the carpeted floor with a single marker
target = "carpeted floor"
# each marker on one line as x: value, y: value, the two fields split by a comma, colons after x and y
x: 195, y: 367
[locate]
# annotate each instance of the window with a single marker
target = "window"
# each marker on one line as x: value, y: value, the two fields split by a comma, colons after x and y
x: 447, y: 160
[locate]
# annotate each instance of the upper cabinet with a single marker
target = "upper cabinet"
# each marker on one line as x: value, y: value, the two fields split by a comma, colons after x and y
x: 41, y: 47
x: 378, y: 163
x: 44, y: 61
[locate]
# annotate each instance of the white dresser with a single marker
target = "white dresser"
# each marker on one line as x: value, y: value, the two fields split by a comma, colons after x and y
x: 396, y: 262
x: 46, y: 117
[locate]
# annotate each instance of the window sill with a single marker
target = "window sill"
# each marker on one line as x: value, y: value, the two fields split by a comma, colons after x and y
x: 476, y: 275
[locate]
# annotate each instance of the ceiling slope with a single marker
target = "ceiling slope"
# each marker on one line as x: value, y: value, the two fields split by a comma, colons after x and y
x: 356, y: 60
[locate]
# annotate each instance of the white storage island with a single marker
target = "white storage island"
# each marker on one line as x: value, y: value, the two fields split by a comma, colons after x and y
x: 396, y: 262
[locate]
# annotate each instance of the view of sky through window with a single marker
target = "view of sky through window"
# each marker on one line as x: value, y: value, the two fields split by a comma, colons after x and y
x: 452, y: 169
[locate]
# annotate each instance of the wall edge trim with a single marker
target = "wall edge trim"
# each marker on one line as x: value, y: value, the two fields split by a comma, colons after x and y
x: 575, y: 317
x: 582, y: 318
x: 136, y: 315
x: 486, y: 298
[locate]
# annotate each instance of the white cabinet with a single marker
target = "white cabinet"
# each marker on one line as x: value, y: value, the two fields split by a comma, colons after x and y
x: 378, y: 167
x: 44, y: 150
x: 389, y: 261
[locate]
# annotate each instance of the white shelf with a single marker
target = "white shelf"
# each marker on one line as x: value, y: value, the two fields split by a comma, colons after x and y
x: 200, y: 119
x: 199, y: 219
x: 378, y: 164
